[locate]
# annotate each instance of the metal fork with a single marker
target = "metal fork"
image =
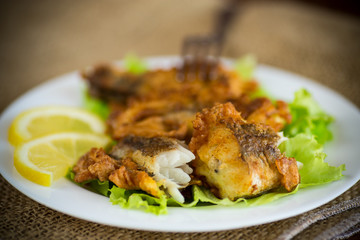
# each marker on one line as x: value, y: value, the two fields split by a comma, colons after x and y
x: 200, y: 54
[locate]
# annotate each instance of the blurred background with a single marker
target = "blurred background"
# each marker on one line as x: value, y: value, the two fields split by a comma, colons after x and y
x: 41, y: 39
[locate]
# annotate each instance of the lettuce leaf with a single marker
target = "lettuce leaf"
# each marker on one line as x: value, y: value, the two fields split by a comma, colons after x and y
x: 92, y: 185
x: 261, y: 92
x: 95, y: 105
x: 310, y: 153
x: 125, y: 198
x: 204, y: 197
x: 308, y: 118
x: 134, y: 65
x: 138, y: 200
x: 245, y: 66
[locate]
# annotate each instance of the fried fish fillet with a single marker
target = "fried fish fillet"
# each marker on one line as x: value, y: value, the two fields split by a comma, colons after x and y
x: 111, y: 84
x: 125, y: 173
x: 130, y: 176
x: 262, y: 110
x: 237, y: 158
x: 140, y: 163
x: 153, y: 119
x: 163, y: 158
x: 95, y: 164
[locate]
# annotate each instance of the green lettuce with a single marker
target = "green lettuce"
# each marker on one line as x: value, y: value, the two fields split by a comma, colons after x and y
x: 138, y: 200
x: 204, y: 197
x: 262, y: 92
x: 308, y: 118
x: 94, y: 105
x: 133, y: 199
x: 92, y: 185
x: 134, y: 64
x: 310, y: 153
x: 245, y: 66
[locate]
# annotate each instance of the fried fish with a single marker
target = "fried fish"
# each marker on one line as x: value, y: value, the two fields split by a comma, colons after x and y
x: 236, y: 158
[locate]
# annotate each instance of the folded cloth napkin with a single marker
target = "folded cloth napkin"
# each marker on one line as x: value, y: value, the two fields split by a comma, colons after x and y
x: 342, y: 230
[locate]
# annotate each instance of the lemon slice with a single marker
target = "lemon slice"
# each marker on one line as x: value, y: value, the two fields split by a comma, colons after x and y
x: 42, y: 121
x: 48, y: 158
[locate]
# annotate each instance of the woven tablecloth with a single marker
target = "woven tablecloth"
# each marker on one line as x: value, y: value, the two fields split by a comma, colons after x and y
x: 43, y: 39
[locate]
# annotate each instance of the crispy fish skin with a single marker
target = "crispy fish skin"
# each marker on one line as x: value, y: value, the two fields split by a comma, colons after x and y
x: 142, y: 149
x: 96, y: 164
x: 237, y: 158
x: 149, y: 153
x: 147, y: 146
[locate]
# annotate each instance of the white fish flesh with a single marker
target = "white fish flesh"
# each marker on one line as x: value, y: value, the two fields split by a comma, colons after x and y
x: 165, y: 159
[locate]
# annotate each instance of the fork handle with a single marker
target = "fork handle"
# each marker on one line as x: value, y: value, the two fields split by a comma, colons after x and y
x: 224, y: 19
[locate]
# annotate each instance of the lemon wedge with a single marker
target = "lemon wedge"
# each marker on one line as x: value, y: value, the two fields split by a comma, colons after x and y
x: 48, y: 158
x: 42, y: 121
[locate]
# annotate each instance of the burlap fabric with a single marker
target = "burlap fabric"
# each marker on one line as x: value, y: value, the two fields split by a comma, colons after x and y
x: 42, y: 39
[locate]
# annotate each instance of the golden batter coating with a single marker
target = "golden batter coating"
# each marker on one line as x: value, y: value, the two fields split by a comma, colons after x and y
x: 237, y: 158
x: 152, y: 119
x: 125, y: 173
x: 158, y: 103
x: 287, y: 167
x: 95, y: 164
x: 128, y: 176
x: 111, y: 84
x: 262, y: 110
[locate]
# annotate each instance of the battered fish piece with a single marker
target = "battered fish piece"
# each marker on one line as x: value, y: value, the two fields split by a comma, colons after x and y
x: 237, y: 158
x: 153, y: 119
x: 262, y: 110
x: 130, y: 176
x: 125, y: 173
x: 163, y: 158
x: 201, y: 91
x: 110, y: 84
x: 95, y: 164
x: 113, y: 85
x: 158, y: 102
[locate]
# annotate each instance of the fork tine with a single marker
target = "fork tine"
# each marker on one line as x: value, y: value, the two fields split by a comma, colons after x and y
x: 201, y: 61
x: 200, y: 58
x: 201, y: 54
x: 186, y: 56
x: 194, y: 52
x: 214, y: 60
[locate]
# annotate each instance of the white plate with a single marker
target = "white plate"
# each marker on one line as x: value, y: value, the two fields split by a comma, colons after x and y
x: 70, y: 199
